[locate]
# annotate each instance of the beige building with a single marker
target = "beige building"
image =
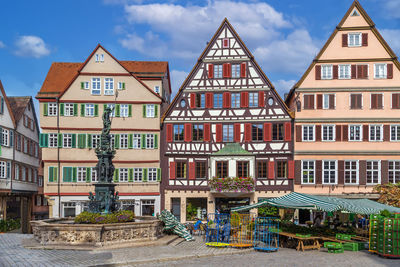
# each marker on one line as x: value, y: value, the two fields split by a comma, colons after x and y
x: 72, y: 99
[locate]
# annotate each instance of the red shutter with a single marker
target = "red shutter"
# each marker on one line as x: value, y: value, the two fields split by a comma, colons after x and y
x: 365, y: 133
x: 244, y: 99
x: 218, y: 135
x: 390, y: 71
x: 271, y: 170
x: 344, y: 40
x: 192, y: 100
x: 169, y: 132
x: 335, y: 71
x: 225, y: 70
x: 209, y: 100
x: 365, y: 72
x: 288, y: 131
x: 247, y: 132
x: 243, y: 70
x: 261, y: 99
x: 354, y: 71
x: 298, y: 133
x: 318, y: 72
x: 188, y: 132
x: 319, y: 101
x: 237, y: 132
x: 192, y: 174
x: 365, y: 39
x: 290, y: 169
x: 226, y: 100
x: 345, y: 133
x: 267, y: 132
x: 172, y: 170
x: 338, y: 133
x: 210, y: 71
x: 207, y: 132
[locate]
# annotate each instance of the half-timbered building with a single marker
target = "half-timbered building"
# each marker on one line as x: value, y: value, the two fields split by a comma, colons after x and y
x: 226, y: 120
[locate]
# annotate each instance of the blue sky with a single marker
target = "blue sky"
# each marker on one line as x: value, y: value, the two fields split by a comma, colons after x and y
x: 283, y: 35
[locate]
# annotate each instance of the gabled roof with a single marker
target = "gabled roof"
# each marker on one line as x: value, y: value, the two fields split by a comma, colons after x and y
x: 224, y: 23
x: 232, y: 149
x: 339, y: 27
x: 146, y: 67
x: 7, y: 103
x: 18, y: 105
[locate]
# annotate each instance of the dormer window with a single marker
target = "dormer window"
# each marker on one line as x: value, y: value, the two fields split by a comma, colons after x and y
x: 354, y: 39
x: 157, y: 89
x: 355, y: 13
x: 99, y: 57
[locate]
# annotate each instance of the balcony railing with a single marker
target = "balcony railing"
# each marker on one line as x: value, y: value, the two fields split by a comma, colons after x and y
x: 232, y: 184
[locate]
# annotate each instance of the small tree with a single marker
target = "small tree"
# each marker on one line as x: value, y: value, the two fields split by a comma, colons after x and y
x: 389, y: 194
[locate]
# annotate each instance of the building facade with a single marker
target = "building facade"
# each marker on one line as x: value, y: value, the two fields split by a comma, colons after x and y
x: 72, y: 100
x: 227, y: 120
x: 19, y: 159
x: 346, y: 105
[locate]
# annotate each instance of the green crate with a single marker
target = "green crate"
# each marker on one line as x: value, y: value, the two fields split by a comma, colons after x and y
x: 343, y: 237
x: 333, y: 245
x: 353, y: 246
x: 301, y: 235
x: 396, y: 215
x: 361, y: 245
x: 335, y: 250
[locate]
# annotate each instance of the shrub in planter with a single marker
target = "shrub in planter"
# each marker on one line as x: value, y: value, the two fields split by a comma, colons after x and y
x: 97, y: 218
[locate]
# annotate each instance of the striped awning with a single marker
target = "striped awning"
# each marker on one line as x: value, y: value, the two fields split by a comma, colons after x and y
x: 172, y: 223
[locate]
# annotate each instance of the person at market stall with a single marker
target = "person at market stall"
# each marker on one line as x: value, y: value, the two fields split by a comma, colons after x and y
x: 317, y: 221
x: 336, y: 221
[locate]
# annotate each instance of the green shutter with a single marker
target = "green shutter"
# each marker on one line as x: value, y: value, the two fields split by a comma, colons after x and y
x: 117, y: 110
x: 88, y: 174
x: 143, y: 143
x: 130, y: 140
x: 116, y: 176
x: 155, y: 111
x: 158, y: 175
x: 123, y: 86
x: 75, y: 110
x: 89, y: 141
x: 43, y: 140
x: 129, y: 110
x: 156, y: 141
x: 73, y: 140
x: 45, y: 109
x: 144, y: 111
x: 60, y: 140
x: 145, y: 178
x: 130, y: 177
x: 67, y: 174
x: 81, y: 140
x: 82, y: 110
x: 82, y: 85
x: 62, y: 109
x: 96, y: 110
x: 74, y: 174
x: 51, y: 174
x: 116, y: 141
x: 55, y: 174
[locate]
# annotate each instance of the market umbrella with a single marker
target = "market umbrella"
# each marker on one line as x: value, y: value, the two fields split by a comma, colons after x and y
x: 172, y: 223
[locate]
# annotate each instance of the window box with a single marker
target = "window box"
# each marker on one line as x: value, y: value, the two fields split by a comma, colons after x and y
x: 232, y: 184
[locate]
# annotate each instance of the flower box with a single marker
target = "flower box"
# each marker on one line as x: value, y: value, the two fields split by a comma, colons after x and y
x: 232, y: 184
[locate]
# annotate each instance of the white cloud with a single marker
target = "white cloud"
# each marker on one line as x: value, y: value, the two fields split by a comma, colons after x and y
x: 31, y: 46
x: 392, y: 37
x: 392, y: 8
x: 2, y: 45
x: 283, y: 86
x: 177, y: 78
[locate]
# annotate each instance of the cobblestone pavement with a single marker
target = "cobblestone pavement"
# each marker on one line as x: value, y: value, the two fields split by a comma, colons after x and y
x: 12, y: 253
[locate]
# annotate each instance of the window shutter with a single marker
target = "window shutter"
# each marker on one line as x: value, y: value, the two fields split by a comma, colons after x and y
x: 288, y: 131
x: 395, y: 101
x: 81, y: 141
x: 226, y: 103
x: 117, y: 110
x: 319, y: 101
x: 1, y: 136
x: 89, y: 141
x: 144, y: 111
x: 261, y: 99
x: 2, y: 105
x: 158, y: 175
x: 360, y: 71
x: 341, y: 172
x: 188, y: 132
x: 11, y: 138
x: 344, y: 40
x: 338, y: 133
x: 243, y: 70
x: 386, y: 133
x: 73, y: 140
x: 116, y: 141
x: 225, y: 70
x: 116, y: 175
x: 82, y: 110
x: 290, y: 169
x: 143, y: 141
x: 318, y: 133
x: 298, y: 133
x: 60, y: 140
x: 318, y: 72
x: 51, y: 174
x: 363, y: 172
x: 75, y: 110
x: 271, y: 170
x: 374, y: 101
x: 365, y: 39
x: 130, y: 175
x: 380, y: 101
x: 332, y: 101
x: 155, y: 111
x: 210, y: 71
x: 172, y: 170
x: 192, y: 100
x: 389, y: 71
x: 247, y: 132
x: 123, y: 86
x: 218, y: 133
x: 365, y: 133
x: 244, y: 103
x: 66, y: 174
x: 207, y: 132
x: 155, y: 141
x: 267, y: 132
x: 354, y: 71
x: 209, y: 100
x: 62, y: 109
x: 169, y: 132
x: 129, y: 110
x: 8, y: 169
x: 145, y: 175
x: 237, y: 132
x: 130, y: 140
x: 345, y: 136
x: 82, y: 85
x: 43, y: 140
x: 318, y: 171
x: 365, y: 71
x: 45, y: 109
x: 192, y: 174
x: 96, y: 110
x: 88, y: 175
x: 384, y: 172
x: 335, y: 71
x: 297, y: 172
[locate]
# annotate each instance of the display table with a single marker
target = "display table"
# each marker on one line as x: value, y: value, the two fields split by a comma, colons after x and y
x: 302, y: 240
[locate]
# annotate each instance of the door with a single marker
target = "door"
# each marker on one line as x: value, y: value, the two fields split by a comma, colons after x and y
x: 176, y: 207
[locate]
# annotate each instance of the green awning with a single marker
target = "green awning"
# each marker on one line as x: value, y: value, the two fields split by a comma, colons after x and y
x: 230, y: 149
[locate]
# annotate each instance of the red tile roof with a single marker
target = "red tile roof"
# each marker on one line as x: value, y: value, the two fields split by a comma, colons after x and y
x: 18, y: 105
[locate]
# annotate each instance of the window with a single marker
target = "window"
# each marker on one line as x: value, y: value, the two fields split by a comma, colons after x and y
x: 242, y: 169
x: 152, y: 173
x: 328, y: 101
x: 257, y: 132
x: 25, y: 146
x: 123, y: 141
x: 124, y: 110
x: 18, y: 144
x: 355, y: 101
x: 328, y: 132
x: 225, y: 43
x: 395, y: 133
x: 112, y: 107
x: 86, y: 85
x: 253, y: 99
x: 96, y: 86
x: 4, y: 138
x: 373, y: 172
x: 235, y: 70
x: 277, y: 131
x: 200, y: 100
x: 99, y: 57
x: 345, y: 71
x: 52, y: 109
x: 81, y: 174
x: 262, y: 169
x: 23, y: 172
x: 89, y: 110
x: 94, y: 174
x: 355, y: 133
x: 201, y: 170
x: 217, y: 100
x: 16, y: 172
x: 35, y: 176
x: 181, y: 169
x: 376, y: 101
x: 235, y: 99
x: 375, y: 132
x: 136, y: 141
x: 147, y: 207
x: 123, y: 174
x: 29, y: 175
x: 121, y: 85
x: 69, y: 109
x: 95, y: 140
x: 221, y: 169
x: 198, y: 132
x: 112, y: 141
x: 217, y: 71
x: 178, y: 132
x: 149, y: 140
x: 69, y: 209
x: 137, y: 174
x: 41, y: 183
x: 157, y: 89
x: 227, y: 133
x: 354, y: 39
x: 67, y: 140
x: 380, y: 71
x: 351, y: 172
x: 108, y: 86
x: 281, y: 169
x: 308, y: 133
x: 308, y: 172
x: 3, y: 169
x: 329, y: 171
x: 150, y: 111
x: 394, y: 172
x: 308, y: 101
x: 326, y: 72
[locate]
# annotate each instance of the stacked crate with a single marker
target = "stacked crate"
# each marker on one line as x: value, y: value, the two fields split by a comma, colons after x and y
x: 384, y: 236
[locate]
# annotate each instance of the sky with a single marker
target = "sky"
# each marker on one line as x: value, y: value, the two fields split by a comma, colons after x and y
x: 283, y: 35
